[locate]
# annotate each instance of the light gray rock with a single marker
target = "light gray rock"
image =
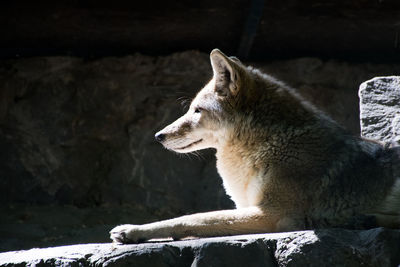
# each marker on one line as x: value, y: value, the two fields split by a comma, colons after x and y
x: 328, y: 247
x: 380, y: 109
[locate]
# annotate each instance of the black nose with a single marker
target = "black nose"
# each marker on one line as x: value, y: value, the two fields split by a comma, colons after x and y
x: 159, y: 137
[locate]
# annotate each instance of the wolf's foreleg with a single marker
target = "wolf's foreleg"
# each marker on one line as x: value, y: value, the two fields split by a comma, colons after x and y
x: 216, y: 223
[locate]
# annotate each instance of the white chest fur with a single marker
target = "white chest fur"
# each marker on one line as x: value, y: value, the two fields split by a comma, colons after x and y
x: 243, y: 182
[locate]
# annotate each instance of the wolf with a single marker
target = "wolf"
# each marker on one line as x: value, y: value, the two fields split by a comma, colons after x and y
x: 285, y: 164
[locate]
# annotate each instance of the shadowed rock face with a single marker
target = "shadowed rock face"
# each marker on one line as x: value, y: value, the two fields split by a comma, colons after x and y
x: 334, y: 247
x: 81, y: 133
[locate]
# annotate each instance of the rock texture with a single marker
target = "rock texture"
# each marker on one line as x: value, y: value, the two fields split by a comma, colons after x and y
x: 380, y: 109
x: 332, y: 247
x: 80, y: 133
x: 78, y: 154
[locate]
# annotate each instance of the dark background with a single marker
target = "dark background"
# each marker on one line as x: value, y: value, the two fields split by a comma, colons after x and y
x: 84, y: 85
x: 361, y: 30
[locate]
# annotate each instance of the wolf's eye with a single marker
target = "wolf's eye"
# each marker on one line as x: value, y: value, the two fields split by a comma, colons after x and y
x: 197, y: 110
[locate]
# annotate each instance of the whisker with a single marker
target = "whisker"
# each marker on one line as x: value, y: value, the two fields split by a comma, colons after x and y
x: 199, y: 155
x: 183, y: 99
x: 193, y: 153
x: 185, y: 102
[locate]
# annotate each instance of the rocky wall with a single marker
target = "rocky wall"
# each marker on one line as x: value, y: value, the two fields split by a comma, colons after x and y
x: 76, y: 139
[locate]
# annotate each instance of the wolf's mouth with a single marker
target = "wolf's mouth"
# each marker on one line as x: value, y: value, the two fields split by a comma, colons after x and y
x: 189, y: 145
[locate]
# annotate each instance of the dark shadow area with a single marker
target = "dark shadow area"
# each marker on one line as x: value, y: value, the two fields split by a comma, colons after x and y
x: 357, y: 30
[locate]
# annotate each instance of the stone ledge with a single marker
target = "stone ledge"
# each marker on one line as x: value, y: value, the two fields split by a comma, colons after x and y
x: 332, y: 247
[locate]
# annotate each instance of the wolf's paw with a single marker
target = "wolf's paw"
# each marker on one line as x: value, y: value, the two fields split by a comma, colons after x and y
x: 127, y: 234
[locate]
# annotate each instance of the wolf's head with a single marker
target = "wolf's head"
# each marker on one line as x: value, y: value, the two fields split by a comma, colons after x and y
x: 206, y: 123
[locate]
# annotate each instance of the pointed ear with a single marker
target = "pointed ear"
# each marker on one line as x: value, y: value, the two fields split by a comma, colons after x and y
x: 226, y: 73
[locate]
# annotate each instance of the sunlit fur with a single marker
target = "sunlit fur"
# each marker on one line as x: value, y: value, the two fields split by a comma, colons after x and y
x: 285, y: 164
